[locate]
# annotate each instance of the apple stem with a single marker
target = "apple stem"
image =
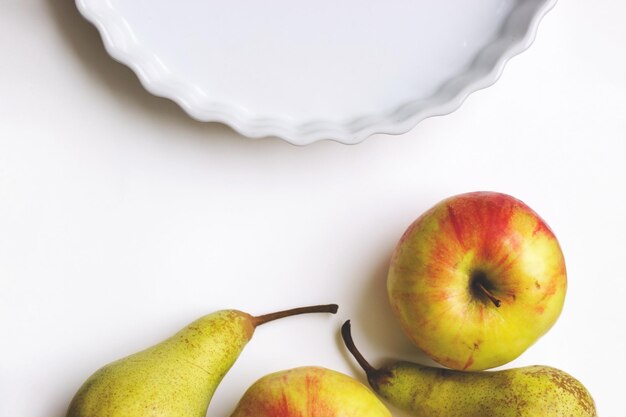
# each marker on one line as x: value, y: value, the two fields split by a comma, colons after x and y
x: 489, y: 294
x: 324, y: 308
x: 346, y: 334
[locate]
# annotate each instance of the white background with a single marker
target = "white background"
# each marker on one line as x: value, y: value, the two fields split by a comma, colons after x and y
x: 121, y: 219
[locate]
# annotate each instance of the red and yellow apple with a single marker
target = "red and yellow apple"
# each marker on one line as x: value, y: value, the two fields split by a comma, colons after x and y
x: 476, y: 280
x: 309, y: 391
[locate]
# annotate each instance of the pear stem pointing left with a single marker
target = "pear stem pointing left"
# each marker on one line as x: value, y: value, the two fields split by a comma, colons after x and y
x: 374, y: 376
x: 323, y: 308
x: 346, y: 334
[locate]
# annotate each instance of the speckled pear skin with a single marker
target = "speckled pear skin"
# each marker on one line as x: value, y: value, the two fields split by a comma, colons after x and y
x: 175, y: 378
x: 424, y: 391
x: 309, y: 391
x: 532, y: 391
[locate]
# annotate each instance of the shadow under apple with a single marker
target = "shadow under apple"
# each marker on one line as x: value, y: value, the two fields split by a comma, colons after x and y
x: 379, y: 325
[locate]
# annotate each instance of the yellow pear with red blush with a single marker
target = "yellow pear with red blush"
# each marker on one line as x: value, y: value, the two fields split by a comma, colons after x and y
x: 476, y: 280
x: 309, y: 391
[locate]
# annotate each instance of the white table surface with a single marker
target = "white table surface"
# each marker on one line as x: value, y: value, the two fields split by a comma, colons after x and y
x: 121, y: 219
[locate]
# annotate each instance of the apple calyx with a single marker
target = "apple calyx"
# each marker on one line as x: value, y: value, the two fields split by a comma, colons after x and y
x: 480, y: 284
x: 374, y: 376
x: 325, y: 308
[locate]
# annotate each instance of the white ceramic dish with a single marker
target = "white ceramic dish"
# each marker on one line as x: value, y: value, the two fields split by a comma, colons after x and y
x: 304, y: 70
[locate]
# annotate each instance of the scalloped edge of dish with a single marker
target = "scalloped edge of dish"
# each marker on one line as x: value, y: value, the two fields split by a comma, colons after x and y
x: 516, y: 35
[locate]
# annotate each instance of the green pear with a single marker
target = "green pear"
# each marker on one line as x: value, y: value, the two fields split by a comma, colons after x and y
x: 177, y: 377
x: 425, y: 391
x: 309, y: 391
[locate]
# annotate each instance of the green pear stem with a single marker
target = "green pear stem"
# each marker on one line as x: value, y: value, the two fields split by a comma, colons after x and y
x: 324, y: 308
x: 489, y: 294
